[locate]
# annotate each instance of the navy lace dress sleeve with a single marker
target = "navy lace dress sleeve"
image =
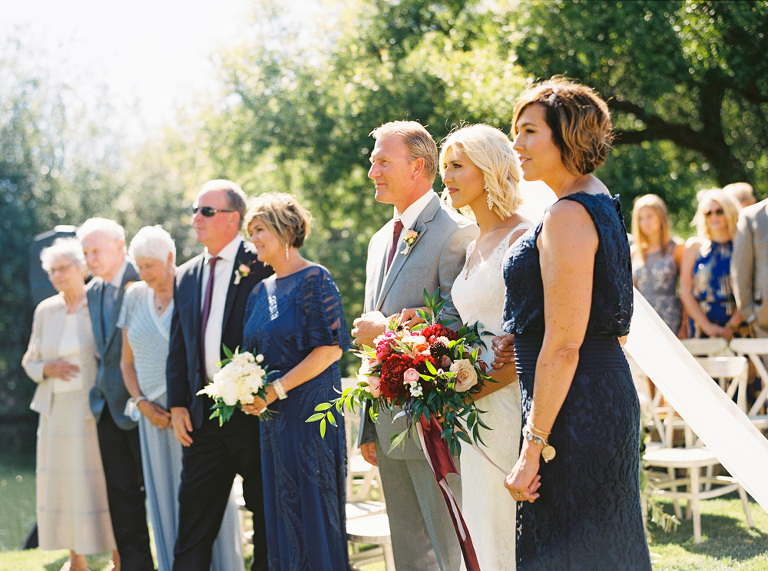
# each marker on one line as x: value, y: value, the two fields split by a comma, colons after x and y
x: 304, y: 474
x: 588, y: 514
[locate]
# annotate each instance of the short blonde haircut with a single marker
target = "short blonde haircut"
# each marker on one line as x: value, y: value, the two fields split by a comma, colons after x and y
x: 730, y: 210
x: 655, y: 203
x: 418, y: 141
x: 491, y: 151
x: 153, y: 242
x: 579, y: 119
x: 283, y: 215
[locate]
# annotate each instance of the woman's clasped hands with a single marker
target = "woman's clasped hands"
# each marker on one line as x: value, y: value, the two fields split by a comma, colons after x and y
x: 524, y: 480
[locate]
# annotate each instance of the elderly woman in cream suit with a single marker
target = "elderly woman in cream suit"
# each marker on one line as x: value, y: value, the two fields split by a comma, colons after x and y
x: 72, y: 511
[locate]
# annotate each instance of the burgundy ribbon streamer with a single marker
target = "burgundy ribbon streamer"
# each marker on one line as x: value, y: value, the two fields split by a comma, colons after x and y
x: 441, y: 462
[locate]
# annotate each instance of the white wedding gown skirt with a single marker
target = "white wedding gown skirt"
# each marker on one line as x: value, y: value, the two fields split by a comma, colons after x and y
x: 487, y: 506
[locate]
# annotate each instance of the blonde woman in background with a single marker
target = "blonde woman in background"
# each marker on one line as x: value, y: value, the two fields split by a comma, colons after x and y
x: 72, y: 510
x: 656, y: 260
x: 705, y: 279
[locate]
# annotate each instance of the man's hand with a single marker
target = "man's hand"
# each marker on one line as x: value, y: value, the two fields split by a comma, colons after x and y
x: 368, y: 450
x: 367, y: 327
x: 182, y: 425
x: 504, y: 351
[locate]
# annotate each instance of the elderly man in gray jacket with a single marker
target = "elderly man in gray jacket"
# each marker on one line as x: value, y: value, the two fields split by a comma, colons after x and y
x: 423, y: 246
x: 103, y: 244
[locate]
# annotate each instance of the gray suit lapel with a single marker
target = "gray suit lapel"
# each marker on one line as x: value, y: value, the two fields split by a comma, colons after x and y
x: 420, y: 226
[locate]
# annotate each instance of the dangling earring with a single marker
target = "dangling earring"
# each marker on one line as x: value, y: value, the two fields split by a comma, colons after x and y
x: 287, y: 254
x: 488, y: 197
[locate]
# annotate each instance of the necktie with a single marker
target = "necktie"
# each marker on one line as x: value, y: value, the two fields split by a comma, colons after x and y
x: 395, y: 237
x: 207, y: 306
x: 109, y: 301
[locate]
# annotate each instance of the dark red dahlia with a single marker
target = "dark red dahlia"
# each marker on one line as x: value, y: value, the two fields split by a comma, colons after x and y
x: 392, y: 371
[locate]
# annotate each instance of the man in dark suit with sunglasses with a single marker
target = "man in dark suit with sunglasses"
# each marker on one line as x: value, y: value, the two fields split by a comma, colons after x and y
x: 211, y: 292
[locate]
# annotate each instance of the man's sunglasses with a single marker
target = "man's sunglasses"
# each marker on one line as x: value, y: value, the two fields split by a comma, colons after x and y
x: 208, y: 211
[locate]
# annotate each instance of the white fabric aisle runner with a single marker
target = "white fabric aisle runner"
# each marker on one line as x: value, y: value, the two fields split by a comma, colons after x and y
x: 710, y: 413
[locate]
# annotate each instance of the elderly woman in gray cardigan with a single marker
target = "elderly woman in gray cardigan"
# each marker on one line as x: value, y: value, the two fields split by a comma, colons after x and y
x: 72, y: 510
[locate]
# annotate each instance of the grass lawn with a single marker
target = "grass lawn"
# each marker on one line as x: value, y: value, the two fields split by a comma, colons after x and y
x: 727, y: 544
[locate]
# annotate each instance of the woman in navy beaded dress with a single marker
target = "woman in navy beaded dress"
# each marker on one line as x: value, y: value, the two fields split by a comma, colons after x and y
x: 295, y: 319
x: 569, y: 300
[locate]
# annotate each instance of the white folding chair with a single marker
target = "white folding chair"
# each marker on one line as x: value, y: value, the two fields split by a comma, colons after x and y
x: 731, y: 373
x: 754, y: 349
x: 706, y: 347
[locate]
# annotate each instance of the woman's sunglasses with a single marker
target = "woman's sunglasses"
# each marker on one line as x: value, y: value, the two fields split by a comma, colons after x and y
x: 208, y: 211
x: 707, y: 213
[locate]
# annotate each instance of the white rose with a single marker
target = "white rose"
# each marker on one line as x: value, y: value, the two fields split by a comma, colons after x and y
x: 227, y: 391
x: 466, y: 376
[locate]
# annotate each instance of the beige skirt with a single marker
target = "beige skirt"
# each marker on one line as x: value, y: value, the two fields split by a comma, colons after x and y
x: 72, y: 509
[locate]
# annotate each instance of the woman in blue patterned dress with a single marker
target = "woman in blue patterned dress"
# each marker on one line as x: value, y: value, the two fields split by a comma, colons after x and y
x: 295, y: 319
x: 656, y: 259
x: 569, y: 300
x: 705, y: 278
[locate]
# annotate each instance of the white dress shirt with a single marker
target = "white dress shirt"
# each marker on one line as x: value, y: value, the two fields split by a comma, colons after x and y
x: 222, y: 277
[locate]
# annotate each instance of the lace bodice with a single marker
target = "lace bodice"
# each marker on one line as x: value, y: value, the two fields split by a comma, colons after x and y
x: 478, y: 292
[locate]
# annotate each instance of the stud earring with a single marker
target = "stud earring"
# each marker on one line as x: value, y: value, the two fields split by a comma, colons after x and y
x: 287, y: 254
x: 488, y: 198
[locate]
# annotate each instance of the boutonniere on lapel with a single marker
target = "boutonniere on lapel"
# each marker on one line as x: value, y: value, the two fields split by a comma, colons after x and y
x: 409, y: 239
x: 242, y: 271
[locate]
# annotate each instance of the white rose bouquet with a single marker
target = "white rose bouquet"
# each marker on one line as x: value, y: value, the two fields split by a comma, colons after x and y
x: 240, y: 380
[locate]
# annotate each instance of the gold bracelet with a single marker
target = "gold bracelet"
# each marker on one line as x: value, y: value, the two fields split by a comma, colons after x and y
x: 538, y: 431
x: 547, y: 452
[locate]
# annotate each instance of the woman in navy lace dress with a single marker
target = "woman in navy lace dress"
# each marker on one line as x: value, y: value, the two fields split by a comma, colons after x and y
x: 569, y: 300
x: 295, y: 319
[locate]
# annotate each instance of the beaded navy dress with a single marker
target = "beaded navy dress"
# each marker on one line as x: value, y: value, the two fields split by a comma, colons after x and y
x: 588, y: 515
x: 304, y: 474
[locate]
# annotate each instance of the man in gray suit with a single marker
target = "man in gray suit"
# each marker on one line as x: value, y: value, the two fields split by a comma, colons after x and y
x: 749, y: 266
x: 103, y: 244
x: 403, y: 168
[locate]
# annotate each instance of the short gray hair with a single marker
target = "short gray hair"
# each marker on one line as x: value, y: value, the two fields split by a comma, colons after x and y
x: 69, y: 248
x: 109, y: 227
x: 236, y: 198
x: 417, y: 140
x: 152, y: 242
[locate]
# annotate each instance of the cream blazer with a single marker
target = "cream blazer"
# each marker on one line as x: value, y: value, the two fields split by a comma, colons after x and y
x: 44, y: 346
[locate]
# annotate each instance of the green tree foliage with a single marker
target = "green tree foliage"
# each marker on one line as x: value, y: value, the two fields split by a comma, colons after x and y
x: 686, y: 80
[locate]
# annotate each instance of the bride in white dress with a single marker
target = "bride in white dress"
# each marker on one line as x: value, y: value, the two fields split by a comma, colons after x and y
x: 480, y: 172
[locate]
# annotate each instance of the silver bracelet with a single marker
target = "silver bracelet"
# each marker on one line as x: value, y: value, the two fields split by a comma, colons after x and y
x: 279, y: 389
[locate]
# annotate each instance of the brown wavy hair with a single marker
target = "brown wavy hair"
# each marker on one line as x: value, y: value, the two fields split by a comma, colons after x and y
x: 579, y: 119
x: 283, y: 215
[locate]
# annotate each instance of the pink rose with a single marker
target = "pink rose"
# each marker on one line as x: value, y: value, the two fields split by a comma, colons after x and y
x: 374, y: 386
x: 411, y: 376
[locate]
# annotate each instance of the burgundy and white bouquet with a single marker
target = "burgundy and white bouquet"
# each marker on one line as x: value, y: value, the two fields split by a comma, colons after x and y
x: 240, y: 380
x: 429, y: 370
